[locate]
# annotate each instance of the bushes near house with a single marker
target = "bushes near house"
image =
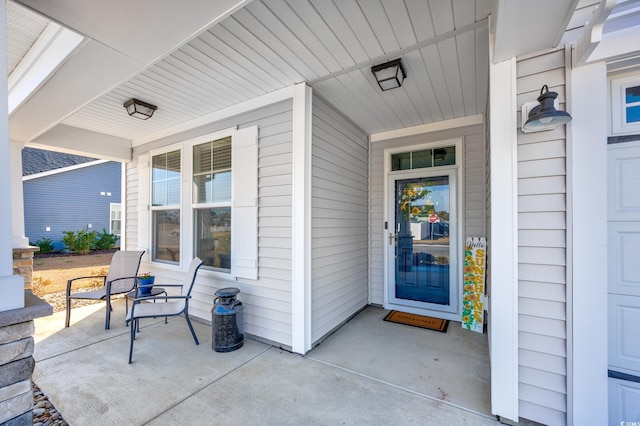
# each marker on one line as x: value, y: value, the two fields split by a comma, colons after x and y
x: 45, y: 244
x: 105, y: 240
x: 81, y: 242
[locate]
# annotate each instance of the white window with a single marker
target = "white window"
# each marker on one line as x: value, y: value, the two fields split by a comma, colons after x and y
x: 424, y: 158
x: 115, y: 218
x: 625, y: 108
x: 212, y: 203
x: 213, y: 212
x: 165, y: 206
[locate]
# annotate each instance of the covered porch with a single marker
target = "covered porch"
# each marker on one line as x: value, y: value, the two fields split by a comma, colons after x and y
x: 293, y: 82
x: 368, y: 372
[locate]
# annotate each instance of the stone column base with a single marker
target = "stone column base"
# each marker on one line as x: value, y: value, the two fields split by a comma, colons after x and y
x: 16, y: 360
x: 23, y: 264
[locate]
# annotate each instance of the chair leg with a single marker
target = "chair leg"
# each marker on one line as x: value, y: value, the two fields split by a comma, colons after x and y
x: 193, y: 333
x: 108, y: 320
x: 165, y: 301
x: 66, y: 323
x: 133, y: 337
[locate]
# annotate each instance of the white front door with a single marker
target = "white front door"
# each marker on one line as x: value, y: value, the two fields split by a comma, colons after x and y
x: 623, y: 245
x: 421, y: 242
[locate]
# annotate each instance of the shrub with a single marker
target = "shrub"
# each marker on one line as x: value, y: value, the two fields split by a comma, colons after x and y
x: 81, y: 242
x: 105, y: 240
x: 45, y: 244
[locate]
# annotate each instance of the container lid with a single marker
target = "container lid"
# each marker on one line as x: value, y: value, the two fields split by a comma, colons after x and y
x: 227, y: 292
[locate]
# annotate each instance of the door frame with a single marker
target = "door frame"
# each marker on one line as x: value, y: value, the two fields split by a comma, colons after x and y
x: 388, y: 212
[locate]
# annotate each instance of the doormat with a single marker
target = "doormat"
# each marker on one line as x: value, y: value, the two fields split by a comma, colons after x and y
x: 421, y: 321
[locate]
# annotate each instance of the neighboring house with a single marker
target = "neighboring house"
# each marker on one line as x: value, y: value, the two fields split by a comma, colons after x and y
x: 275, y: 156
x: 64, y: 192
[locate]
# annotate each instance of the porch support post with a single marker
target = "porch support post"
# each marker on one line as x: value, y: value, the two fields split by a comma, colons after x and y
x: 301, y: 215
x: 587, y: 245
x: 503, y: 239
x: 17, y: 195
x: 11, y: 286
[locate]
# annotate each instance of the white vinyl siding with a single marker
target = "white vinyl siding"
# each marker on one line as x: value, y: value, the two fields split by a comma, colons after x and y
x: 267, y: 300
x: 339, y: 219
x: 542, y: 251
x: 474, y: 185
x: 130, y: 212
x: 472, y: 211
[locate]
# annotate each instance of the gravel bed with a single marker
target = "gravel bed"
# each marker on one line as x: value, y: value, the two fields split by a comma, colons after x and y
x: 44, y: 413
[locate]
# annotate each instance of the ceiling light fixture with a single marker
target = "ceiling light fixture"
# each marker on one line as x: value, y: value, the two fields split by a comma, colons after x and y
x: 543, y: 116
x: 139, y: 109
x: 389, y: 75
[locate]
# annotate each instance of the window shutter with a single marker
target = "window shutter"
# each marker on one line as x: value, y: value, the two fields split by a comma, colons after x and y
x: 244, y: 207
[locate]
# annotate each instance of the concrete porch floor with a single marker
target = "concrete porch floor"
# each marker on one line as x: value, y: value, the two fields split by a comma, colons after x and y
x: 368, y: 372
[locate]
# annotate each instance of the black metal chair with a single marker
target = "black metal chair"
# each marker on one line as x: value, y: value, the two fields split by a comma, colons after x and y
x: 120, y: 279
x: 175, y: 305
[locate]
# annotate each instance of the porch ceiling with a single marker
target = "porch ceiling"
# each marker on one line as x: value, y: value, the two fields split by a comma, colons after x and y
x: 195, y: 58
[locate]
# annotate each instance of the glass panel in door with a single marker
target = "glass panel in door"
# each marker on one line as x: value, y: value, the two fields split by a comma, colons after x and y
x: 422, y: 252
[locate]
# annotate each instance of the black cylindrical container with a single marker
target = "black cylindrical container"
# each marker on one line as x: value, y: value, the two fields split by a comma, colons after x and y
x: 227, y: 319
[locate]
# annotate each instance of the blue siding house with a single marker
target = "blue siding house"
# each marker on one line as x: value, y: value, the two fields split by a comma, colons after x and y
x: 65, y: 192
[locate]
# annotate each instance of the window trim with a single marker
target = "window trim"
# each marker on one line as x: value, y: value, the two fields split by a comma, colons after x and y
x: 187, y: 239
x: 111, y: 209
x: 619, y: 126
x: 152, y: 208
x: 194, y: 205
x: 433, y: 158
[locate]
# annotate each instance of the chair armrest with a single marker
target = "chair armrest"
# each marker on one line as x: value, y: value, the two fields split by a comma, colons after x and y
x: 134, y: 278
x: 70, y: 282
x: 123, y: 278
x: 143, y: 298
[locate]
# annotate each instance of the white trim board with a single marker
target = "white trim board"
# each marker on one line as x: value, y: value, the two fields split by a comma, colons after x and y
x: 586, y: 240
x: 428, y: 128
x: 503, y: 240
x: 301, y: 219
x: 48, y: 52
x: 11, y: 286
x: 64, y: 169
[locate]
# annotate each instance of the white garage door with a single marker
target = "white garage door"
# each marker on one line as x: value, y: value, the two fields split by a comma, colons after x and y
x: 624, y: 281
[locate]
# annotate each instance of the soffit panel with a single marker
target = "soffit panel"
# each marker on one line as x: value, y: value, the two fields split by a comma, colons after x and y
x: 447, y: 86
x: 24, y: 27
x: 272, y: 44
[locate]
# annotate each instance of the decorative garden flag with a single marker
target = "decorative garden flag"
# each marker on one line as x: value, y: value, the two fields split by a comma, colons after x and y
x: 473, y: 297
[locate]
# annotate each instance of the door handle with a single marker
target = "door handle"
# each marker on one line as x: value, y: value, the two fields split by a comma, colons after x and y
x: 393, y: 238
